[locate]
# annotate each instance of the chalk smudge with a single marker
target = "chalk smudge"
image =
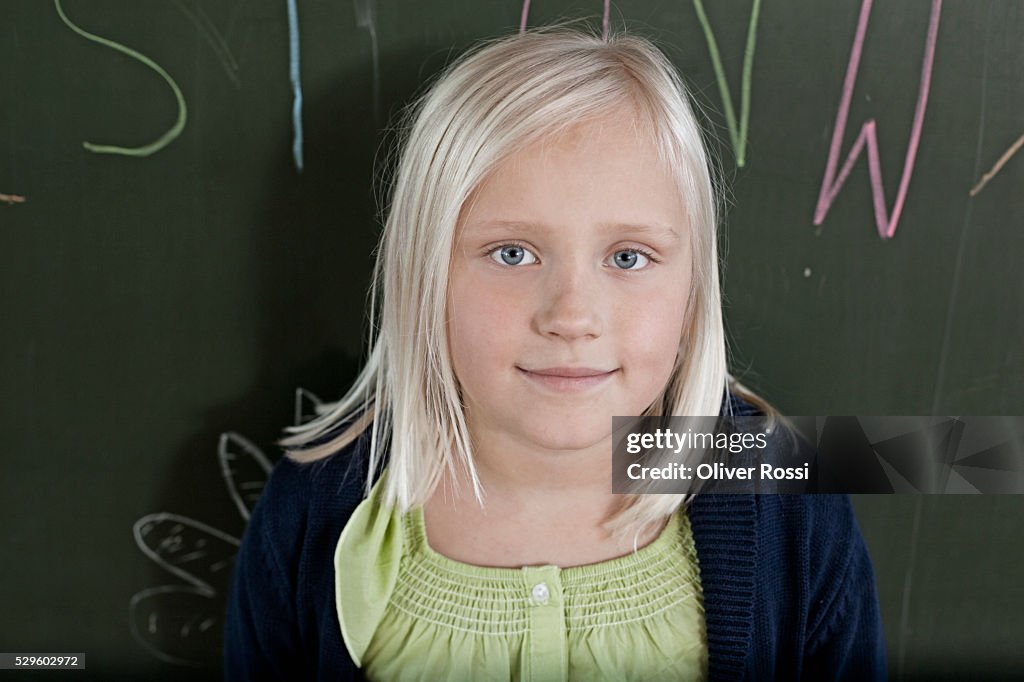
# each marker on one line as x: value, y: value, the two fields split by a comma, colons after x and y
x: 210, y: 33
x: 366, y: 17
x: 526, y: 13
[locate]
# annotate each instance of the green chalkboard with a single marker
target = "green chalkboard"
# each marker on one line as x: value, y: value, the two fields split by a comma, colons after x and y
x: 164, y: 313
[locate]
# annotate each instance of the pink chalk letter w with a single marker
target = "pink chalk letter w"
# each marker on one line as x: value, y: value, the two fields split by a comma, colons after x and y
x: 831, y: 185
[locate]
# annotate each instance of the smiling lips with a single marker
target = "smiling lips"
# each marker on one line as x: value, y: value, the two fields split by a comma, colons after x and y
x: 567, y: 379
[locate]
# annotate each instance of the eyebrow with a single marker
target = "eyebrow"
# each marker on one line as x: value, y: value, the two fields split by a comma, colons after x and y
x: 528, y: 226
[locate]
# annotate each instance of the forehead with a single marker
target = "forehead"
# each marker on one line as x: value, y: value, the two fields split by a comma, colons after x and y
x: 604, y: 172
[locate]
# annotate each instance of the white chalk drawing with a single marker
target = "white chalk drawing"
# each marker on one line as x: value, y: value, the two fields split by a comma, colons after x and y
x: 302, y: 412
x: 182, y: 624
x: 244, y: 473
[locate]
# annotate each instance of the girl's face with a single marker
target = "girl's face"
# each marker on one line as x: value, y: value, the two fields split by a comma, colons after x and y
x: 571, y: 258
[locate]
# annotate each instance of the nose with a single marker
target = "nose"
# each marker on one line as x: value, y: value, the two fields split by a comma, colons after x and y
x: 570, y: 303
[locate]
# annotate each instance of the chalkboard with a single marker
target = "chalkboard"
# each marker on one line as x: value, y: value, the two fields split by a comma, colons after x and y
x: 167, y: 310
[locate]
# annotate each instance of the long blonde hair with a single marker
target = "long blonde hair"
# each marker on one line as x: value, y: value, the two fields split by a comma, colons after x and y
x: 496, y: 98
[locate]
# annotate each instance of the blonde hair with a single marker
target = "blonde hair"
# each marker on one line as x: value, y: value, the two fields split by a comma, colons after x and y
x: 493, y: 100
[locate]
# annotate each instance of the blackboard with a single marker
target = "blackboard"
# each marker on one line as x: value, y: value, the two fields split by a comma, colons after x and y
x: 163, y: 313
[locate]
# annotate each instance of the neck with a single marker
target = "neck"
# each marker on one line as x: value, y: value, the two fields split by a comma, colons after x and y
x: 516, y: 476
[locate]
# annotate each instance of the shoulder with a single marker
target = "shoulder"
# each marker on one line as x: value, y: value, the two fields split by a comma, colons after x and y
x: 300, y: 498
x: 279, y: 614
x: 299, y: 516
x: 297, y: 522
x: 735, y: 405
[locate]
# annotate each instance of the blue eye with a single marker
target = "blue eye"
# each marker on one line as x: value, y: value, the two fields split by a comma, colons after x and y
x: 627, y: 259
x: 512, y: 254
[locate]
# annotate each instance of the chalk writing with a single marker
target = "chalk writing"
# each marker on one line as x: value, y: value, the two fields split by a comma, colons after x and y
x: 831, y: 185
x: 167, y: 137
x: 998, y: 166
x: 737, y: 133
x: 11, y: 199
x: 293, y: 71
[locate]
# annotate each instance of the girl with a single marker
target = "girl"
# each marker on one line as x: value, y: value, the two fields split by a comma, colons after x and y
x: 549, y: 260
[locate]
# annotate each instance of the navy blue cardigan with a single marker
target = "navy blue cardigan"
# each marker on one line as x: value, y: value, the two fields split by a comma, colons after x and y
x: 789, y: 590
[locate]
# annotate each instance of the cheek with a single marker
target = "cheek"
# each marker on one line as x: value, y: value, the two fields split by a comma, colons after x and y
x: 650, y: 335
x: 654, y: 333
x: 481, y: 326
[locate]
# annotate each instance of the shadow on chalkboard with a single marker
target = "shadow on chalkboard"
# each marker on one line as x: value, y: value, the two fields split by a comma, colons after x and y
x: 313, y: 242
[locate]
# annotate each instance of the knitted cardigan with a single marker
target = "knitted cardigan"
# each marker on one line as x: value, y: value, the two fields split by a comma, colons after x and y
x: 789, y: 590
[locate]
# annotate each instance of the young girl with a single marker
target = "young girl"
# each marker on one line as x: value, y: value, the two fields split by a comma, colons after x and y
x: 549, y: 260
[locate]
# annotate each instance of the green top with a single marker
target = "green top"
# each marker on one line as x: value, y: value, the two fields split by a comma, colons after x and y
x: 409, y: 613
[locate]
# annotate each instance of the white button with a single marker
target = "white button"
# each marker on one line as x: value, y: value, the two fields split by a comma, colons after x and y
x: 540, y: 593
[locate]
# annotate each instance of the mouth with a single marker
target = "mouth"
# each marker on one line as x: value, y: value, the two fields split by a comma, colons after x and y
x: 567, y: 379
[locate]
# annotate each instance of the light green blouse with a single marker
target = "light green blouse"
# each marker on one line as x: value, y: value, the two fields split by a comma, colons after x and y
x: 409, y: 613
